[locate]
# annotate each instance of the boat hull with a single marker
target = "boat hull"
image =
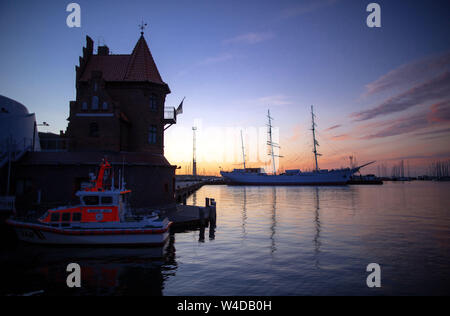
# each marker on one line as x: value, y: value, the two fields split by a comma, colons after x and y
x: 340, y: 177
x: 41, y: 234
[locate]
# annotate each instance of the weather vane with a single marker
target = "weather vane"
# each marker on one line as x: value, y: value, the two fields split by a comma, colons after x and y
x: 142, y: 27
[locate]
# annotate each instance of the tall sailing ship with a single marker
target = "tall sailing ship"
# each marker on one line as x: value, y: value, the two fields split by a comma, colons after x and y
x: 257, y: 176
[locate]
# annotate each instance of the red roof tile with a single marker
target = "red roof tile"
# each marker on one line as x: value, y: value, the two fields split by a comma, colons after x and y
x: 139, y: 66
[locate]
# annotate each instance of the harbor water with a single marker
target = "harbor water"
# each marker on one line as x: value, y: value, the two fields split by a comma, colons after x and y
x: 282, y: 240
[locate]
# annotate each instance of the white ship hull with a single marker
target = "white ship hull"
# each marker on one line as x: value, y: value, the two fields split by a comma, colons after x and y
x: 43, y: 234
x: 334, y: 177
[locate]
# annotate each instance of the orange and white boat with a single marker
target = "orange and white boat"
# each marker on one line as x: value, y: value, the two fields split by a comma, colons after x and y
x: 101, y: 218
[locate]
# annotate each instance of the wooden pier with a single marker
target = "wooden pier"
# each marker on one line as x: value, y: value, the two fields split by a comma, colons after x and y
x: 186, y: 185
x: 189, y: 216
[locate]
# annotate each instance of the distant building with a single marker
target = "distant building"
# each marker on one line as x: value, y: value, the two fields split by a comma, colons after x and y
x: 118, y: 113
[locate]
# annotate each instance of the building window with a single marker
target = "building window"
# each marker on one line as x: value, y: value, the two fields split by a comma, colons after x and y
x: 153, y: 102
x: 152, y: 134
x: 84, y: 106
x: 95, y: 86
x: 93, y: 130
x: 95, y: 102
x: 105, y: 105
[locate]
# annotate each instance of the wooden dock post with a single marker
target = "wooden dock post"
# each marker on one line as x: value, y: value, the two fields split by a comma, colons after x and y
x: 212, y: 213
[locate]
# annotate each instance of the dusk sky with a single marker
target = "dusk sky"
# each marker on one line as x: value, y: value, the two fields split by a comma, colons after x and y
x: 379, y: 93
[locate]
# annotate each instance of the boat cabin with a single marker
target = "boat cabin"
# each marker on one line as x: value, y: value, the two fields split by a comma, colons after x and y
x: 94, y: 207
x: 98, y: 204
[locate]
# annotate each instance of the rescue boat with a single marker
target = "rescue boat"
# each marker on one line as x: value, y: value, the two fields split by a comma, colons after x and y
x: 102, y: 217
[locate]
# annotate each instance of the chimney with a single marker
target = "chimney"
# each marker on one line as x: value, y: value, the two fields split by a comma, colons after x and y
x: 103, y: 50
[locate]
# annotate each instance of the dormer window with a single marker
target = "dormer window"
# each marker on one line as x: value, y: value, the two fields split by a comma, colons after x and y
x: 95, y: 102
x: 153, y: 102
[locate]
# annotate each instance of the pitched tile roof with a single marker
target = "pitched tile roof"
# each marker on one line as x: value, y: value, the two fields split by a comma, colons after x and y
x: 139, y: 66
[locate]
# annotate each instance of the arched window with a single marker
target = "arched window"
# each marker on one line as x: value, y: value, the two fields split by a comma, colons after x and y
x: 153, y: 102
x: 105, y: 105
x: 84, y: 106
x: 152, y: 133
x: 93, y: 130
x: 95, y: 102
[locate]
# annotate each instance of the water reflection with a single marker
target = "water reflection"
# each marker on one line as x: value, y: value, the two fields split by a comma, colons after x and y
x: 244, y: 212
x: 317, y: 242
x: 104, y: 271
x: 273, y: 225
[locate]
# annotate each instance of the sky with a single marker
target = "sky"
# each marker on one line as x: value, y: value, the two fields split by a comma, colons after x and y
x: 378, y: 93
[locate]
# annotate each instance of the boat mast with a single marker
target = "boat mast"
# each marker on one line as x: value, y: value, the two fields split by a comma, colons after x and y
x: 271, y: 143
x: 243, y: 152
x: 314, y: 139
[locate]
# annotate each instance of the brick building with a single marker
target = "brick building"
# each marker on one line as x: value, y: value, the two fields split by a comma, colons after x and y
x: 119, y: 104
x: 120, y: 113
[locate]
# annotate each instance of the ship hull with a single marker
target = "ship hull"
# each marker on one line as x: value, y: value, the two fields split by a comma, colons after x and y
x: 43, y: 234
x: 340, y: 177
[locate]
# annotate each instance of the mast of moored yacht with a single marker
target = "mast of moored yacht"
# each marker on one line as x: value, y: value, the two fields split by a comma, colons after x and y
x: 243, y: 152
x: 271, y: 143
x: 315, y: 142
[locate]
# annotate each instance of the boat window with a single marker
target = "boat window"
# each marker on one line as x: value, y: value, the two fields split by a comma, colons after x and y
x: 76, y: 217
x: 66, y: 217
x: 54, y: 217
x: 91, y: 200
x: 107, y: 199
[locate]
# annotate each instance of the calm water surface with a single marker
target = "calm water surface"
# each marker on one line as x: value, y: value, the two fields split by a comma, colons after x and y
x: 270, y: 241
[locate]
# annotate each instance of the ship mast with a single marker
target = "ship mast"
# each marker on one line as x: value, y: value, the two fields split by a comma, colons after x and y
x: 271, y: 143
x: 243, y: 152
x: 315, y: 142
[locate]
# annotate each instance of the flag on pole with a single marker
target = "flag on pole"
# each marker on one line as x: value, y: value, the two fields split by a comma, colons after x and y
x: 179, y: 109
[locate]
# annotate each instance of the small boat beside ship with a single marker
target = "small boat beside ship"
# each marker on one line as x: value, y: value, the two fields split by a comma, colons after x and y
x: 102, y: 217
x: 257, y: 176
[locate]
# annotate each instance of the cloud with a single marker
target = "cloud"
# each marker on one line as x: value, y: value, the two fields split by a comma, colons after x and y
x: 333, y: 127
x: 341, y: 137
x: 274, y: 100
x: 410, y: 73
x: 438, y: 114
x: 305, y: 8
x: 206, y: 62
x: 215, y: 59
x: 434, y: 132
x: 250, y: 38
x: 437, y: 88
x: 296, y: 133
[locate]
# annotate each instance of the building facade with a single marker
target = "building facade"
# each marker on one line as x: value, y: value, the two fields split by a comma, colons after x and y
x: 118, y: 113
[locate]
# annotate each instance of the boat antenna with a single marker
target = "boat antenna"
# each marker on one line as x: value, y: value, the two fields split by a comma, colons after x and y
x: 315, y: 142
x: 270, y: 142
x: 243, y: 152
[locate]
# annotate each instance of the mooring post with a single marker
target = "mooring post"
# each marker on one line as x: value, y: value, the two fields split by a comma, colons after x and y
x: 212, y: 213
